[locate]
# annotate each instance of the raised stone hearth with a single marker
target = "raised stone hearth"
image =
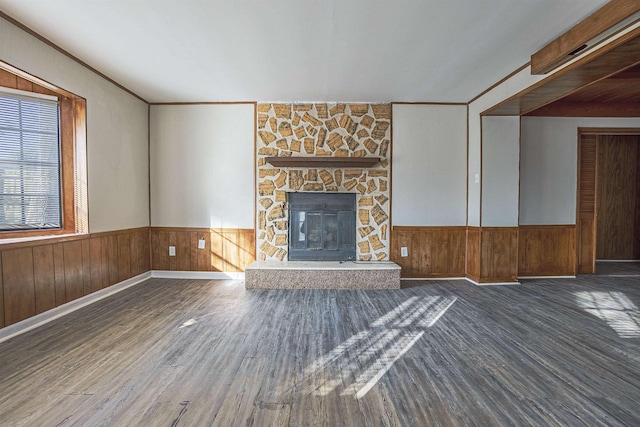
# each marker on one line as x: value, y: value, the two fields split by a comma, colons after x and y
x: 322, y: 275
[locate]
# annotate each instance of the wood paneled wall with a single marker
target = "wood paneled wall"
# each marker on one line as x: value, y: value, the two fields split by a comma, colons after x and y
x: 492, y: 254
x: 433, y: 251
x: 499, y: 254
x: 617, y: 197
x: 473, y: 253
x: 2, y: 319
x: 39, y: 275
x: 42, y: 274
x: 586, y: 221
x: 547, y: 250
x: 489, y: 254
x: 226, y: 249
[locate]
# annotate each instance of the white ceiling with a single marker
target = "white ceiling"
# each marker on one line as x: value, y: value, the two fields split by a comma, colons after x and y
x: 302, y: 50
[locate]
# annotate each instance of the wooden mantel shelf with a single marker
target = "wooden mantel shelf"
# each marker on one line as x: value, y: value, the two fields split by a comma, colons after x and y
x: 324, y: 161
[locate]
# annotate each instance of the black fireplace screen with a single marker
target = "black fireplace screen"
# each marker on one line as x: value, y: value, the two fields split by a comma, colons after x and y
x: 322, y: 226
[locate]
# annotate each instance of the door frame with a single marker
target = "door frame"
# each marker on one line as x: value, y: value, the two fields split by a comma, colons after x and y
x: 587, y: 196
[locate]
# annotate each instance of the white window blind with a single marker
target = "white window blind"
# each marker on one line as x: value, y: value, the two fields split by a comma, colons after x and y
x: 29, y: 163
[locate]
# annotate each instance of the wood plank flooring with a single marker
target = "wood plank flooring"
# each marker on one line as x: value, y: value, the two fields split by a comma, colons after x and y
x: 199, y: 353
x: 623, y: 268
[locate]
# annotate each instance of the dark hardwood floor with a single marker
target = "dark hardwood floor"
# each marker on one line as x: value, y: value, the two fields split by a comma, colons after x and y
x: 618, y: 268
x: 196, y: 353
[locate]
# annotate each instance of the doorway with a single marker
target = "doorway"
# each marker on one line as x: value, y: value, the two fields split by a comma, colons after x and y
x: 608, y: 196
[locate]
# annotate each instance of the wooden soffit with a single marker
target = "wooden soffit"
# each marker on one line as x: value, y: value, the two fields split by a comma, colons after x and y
x: 606, y: 62
x: 588, y: 109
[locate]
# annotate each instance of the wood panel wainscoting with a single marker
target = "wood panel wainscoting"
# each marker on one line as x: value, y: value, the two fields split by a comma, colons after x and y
x: 586, y: 243
x: 547, y: 250
x: 39, y: 275
x: 225, y: 249
x: 492, y: 254
x: 473, y: 253
x: 433, y: 251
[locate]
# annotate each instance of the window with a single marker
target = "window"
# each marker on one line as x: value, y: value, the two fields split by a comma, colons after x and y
x: 43, y: 158
x: 30, y: 196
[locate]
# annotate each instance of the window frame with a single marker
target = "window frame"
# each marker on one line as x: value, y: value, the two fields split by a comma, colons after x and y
x: 32, y: 117
x: 72, y: 123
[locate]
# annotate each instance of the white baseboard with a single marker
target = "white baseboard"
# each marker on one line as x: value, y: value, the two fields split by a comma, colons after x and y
x: 209, y: 275
x: 432, y: 278
x: 493, y: 283
x: 546, y: 277
x: 33, y: 322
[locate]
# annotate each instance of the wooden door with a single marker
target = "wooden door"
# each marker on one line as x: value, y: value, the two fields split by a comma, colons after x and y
x: 591, y: 184
x: 617, y: 197
x: 586, y: 211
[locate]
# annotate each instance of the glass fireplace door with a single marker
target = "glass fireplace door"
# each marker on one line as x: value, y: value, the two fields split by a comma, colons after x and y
x: 322, y: 230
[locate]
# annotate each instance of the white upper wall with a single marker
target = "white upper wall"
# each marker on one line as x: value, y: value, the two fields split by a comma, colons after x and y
x: 510, y: 87
x: 202, y: 165
x: 117, y: 131
x: 548, y: 166
x: 500, y: 171
x: 506, y: 89
x: 429, y: 165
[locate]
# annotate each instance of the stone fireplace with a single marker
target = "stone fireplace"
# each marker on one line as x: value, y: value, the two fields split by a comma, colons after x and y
x: 340, y: 139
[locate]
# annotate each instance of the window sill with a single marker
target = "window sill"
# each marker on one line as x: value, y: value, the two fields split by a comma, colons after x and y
x: 38, y: 238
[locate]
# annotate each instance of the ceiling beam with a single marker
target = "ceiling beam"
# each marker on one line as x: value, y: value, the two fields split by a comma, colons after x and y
x: 559, y: 50
x: 618, y: 56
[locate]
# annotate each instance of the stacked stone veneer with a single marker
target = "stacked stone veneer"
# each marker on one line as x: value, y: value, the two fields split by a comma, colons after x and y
x: 338, y: 130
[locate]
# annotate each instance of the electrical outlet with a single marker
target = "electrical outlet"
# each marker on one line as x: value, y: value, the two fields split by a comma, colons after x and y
x: 404, y: 251
x: 172, y: 251
x: 201, y: 244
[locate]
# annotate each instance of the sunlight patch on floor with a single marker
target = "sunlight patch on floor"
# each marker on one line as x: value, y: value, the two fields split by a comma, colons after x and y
x: 615, y: 308
x: 355, y: 366
x: 188, y: 323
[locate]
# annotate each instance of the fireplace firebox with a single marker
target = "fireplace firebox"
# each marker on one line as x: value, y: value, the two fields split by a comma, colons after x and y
x: 322, y: 226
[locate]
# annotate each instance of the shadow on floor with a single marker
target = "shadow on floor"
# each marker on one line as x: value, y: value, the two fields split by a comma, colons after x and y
x: 618, y: 268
